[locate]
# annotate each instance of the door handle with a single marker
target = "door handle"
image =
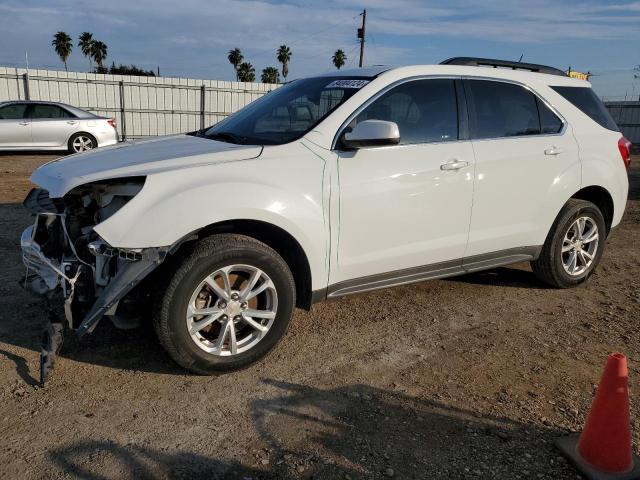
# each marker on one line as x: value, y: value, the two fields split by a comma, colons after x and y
x: 553, y: 151
x: 72, y: 122
x: 24, y: 123
x: 454, y: 165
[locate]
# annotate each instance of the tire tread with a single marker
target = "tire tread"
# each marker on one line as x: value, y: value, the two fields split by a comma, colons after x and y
x: 222, y: 245
x: 544, y: 267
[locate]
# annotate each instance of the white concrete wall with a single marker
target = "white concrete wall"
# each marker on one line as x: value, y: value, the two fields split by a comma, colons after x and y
x: 152, y: 105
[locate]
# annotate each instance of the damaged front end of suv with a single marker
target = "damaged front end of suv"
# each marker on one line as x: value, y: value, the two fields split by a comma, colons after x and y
x: 81, y: 276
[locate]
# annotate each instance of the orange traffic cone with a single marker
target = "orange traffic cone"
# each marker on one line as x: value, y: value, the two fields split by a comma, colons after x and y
x: 603, y: 450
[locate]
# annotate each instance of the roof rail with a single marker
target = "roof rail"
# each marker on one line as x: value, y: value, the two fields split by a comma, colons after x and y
x: 489, y: 62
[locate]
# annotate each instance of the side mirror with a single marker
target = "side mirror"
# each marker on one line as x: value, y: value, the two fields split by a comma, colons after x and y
x: 372, y: 133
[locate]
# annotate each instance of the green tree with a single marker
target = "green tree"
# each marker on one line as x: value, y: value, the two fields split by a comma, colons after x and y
x: 246, y: 72
x: 130, y: 70
x: 99, y: 52
x: 339, y: 58
x: 85, y: 42
x: 284, y: 57
x: 63, y: 46
x: 235, y: 58
x: 270, y: 75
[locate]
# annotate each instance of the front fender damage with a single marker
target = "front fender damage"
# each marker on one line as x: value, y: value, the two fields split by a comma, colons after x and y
x: 82, y: 279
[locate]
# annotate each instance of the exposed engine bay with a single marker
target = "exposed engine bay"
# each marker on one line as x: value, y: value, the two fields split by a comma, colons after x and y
x: 71, y: 266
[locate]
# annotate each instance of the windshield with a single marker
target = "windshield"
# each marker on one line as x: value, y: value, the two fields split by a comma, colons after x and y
x: 286, y: 113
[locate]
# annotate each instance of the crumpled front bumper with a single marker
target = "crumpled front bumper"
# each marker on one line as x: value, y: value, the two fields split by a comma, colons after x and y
x: 127, y: 278
x: 47, y: 273
x: 47, y: 276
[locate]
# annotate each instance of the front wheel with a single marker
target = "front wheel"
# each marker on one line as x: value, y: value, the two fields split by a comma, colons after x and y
x: 574, y: 245
x: 228, y: 304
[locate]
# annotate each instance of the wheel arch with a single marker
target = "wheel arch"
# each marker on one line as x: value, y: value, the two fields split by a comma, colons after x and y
x: 601, y: 198
x: 275, y: 237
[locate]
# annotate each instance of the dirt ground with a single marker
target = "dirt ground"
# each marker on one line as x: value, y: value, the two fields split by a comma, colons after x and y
x: 472, y: 377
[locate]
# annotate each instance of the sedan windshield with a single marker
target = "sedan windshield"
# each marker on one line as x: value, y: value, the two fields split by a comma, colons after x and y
x: 286, y: 113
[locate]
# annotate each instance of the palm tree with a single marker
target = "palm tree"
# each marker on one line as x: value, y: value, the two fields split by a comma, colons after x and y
x: 85, y: 42
x: 235, y: 58
x: 63, y: 46
x: 284, y: 56
x: 270, y: 75
x: 99, y: 52
x: 246, y: 72
x: 339, y: 58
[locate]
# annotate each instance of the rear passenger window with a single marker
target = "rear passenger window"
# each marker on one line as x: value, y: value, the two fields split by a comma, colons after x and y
x: 500, y: 109
x: 550, y: 122
x: 586, y: 100
x: 48, y: 111
x: 13, y: 112
x: 425, y: 111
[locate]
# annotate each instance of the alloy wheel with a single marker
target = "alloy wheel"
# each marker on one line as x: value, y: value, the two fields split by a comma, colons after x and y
x: 82, y: 143
x: 579, y: 246
x: 231, y: 310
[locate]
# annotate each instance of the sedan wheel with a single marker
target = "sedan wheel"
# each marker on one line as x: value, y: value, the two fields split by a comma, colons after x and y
x: 82, y: 143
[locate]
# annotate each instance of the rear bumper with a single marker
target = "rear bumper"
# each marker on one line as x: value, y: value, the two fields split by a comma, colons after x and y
x: 106, y: 139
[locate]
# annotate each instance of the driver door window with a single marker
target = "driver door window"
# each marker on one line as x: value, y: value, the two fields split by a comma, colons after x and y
x: 13, y: 112
x: 424, y: 110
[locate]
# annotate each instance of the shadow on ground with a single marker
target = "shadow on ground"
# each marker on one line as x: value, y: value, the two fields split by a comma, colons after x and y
x: 355, y: 431
x: 503, y: 277
x: 634, y: 182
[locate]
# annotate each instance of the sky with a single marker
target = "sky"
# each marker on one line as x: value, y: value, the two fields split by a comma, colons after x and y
x: 191, y: 38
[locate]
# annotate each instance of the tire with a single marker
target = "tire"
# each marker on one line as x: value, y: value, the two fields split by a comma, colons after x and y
x: 83, y: 137
x: 194, y: 273
x: 554, y: 266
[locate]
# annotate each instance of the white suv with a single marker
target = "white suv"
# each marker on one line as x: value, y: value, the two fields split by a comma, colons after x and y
x: 328, y: 186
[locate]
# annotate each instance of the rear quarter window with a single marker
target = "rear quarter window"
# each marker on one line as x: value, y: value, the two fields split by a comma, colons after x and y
x: 549, y: 121
x: 588, y: 102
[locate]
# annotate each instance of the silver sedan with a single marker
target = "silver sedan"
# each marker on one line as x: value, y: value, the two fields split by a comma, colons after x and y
x: 33, y: 125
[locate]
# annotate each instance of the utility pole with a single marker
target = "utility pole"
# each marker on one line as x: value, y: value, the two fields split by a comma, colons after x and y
x: 361, y: 32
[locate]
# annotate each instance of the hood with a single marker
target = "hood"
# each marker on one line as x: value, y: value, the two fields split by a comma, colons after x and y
x: 137, y: 159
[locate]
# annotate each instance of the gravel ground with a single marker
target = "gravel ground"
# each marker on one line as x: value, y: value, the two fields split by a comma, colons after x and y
x: 471, y: 377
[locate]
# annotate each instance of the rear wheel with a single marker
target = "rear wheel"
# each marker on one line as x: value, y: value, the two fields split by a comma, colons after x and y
x: 574, y: 245
x: 81, y: 142
x: 228, y: 304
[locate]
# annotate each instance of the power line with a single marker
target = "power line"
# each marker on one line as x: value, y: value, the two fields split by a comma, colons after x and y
x: 350, y: 55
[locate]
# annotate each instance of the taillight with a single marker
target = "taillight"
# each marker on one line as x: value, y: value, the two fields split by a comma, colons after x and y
x: 112, y: 122
x: 624, y: 146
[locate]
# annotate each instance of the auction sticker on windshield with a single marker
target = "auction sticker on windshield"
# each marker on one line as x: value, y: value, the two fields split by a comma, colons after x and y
x: 347, y: 84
